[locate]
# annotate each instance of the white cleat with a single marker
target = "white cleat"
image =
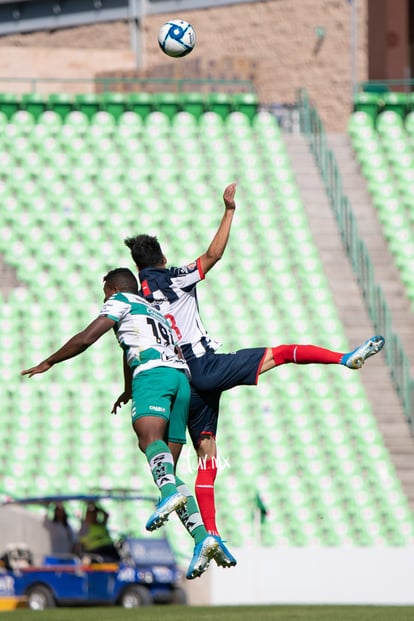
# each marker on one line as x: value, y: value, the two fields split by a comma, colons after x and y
x: 203, y: 553
x: 163, y: 510
x: 355, y: 359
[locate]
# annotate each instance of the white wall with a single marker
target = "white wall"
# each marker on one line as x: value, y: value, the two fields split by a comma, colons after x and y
x: 383, y: 576
x: 18, y: 525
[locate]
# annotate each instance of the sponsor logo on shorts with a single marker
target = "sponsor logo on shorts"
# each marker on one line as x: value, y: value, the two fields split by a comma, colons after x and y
x: 157, y: 408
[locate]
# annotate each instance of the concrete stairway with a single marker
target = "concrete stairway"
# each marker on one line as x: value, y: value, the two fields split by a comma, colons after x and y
x: 349, y: 301
x: 386, y: 274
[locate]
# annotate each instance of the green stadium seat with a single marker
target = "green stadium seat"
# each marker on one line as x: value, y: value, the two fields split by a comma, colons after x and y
x: 368, y: 160
x: 50, y: 121
x: 115, y: 104
x: 130, y: 125
x: 246, y: 103
x: 396, y: 102
x: 194, y: 103
x: 102, y: 124
x: 70, y: 132
x: 78, y: 121
x: 134, y: 150
x: 360, y: 122
x: 409, y: 123
x: 390, y: 124
x: 34, y: 103
x: 268, y: 132
x: 370, y: 103
x: 369, y: 144
x: 9, y: 104
x: 157, y: 125
x: 3, y: 120
x: 410, y: 102
x: 141, y: 104
x: 104, y: 151
x: 220, y: 103
x: 167, y: 103
x: 74, y: 146
x: 61, y: 103
x: 379, y: 176
x: 211, y: 126
x: 239, y: 129
x: 88, y: 103
x: 186, y: 124
x: 23, y: 120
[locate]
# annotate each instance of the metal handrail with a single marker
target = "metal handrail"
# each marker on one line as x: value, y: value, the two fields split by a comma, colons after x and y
x: 378, y: 309
x: 407, y: 84
x: 107, y: 84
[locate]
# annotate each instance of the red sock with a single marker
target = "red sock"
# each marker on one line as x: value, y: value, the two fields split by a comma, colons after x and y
x: 304, y: 354
x: 204, y: 490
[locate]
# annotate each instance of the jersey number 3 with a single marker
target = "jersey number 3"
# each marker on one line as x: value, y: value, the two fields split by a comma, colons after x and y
x: 174, y: 326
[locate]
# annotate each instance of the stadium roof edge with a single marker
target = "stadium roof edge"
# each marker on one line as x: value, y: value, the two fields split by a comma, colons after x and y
x: 34, y: 15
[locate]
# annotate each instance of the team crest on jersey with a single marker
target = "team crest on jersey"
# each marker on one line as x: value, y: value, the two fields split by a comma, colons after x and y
x: 188, y: 268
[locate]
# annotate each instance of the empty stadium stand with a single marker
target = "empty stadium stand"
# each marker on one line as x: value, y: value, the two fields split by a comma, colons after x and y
x: 79, y: 174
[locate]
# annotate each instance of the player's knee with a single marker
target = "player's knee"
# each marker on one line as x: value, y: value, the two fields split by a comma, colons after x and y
x: 206, y: 447
x: 142, y: 445
x: 283, y: 354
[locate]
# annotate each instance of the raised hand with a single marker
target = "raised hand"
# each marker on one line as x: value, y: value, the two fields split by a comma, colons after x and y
x: 228, y: 196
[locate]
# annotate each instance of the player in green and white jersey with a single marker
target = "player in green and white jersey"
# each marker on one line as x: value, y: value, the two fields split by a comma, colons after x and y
x: 157, y: 379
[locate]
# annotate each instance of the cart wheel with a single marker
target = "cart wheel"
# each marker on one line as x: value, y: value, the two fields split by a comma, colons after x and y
x: 135, y: 596
x: 40, y: 597
x: 179, y: 596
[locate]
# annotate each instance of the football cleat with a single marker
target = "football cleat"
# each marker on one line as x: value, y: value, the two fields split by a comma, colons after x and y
x: 203, y: 553
x: 223, y: 557
x: 355, y: 359
x: 163, y: 510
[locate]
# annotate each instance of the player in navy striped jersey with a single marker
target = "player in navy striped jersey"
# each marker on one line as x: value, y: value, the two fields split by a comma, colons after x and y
x: 156, y: 376
x: 173, y: 290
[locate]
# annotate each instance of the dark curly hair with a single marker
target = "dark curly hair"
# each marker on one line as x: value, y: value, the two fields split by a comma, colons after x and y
x: 145, y: 251
x: 123, y: 278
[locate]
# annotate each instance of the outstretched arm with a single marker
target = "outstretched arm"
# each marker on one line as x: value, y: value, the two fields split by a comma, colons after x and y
x: 219, y: 242
x: 75, y: 346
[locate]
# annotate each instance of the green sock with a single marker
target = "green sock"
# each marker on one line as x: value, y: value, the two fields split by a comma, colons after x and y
x: 161, y: 464
x: 190, y: 515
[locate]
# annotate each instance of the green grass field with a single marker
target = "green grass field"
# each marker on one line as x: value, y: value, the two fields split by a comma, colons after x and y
x: 219, y: 613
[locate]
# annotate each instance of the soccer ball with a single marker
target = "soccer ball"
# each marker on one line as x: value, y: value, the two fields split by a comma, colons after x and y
x: 177, y: 38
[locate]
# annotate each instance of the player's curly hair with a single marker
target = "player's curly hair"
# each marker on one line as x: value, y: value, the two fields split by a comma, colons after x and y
x: 145, y: 251
x: 123, y: 278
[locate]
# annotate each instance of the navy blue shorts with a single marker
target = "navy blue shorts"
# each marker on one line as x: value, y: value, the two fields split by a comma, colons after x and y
x: 212, y: 374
